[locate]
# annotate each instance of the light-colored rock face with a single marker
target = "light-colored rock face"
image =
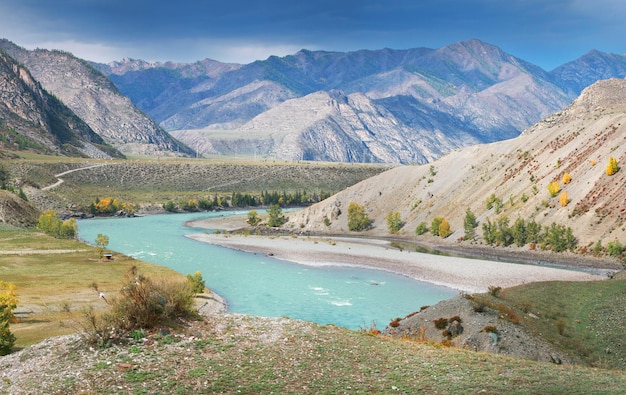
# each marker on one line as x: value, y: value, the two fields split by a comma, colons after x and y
x: 579, y: 141
x: 415, y: 105
x: 93, y: 98
x: 31, y: 118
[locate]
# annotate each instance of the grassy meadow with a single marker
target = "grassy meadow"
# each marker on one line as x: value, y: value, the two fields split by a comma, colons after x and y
x: 54, y: 278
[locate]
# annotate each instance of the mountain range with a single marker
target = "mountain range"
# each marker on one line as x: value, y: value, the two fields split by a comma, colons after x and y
x: 391, y: 106
x: 406, y: 106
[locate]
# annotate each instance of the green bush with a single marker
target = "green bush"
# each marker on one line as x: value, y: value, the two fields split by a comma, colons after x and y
x: 421, y: 228
x: 434, y: 225
x: 7, y: 339
x: 358, y: 219
x: 394, y: 222
x: 196, y: 282
x: 253, y: 218
x: 469, y: 224
x: 615, y: 248
x: 276, y: 217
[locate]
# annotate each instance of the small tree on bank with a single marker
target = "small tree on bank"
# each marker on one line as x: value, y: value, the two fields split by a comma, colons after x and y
x: 253, y: 218
x: 358, y: 219
x: 276, y: 217
x: 102, y: 241
x: 394, y: 222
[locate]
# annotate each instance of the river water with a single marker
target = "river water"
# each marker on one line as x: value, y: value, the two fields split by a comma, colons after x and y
x: 259, y: 285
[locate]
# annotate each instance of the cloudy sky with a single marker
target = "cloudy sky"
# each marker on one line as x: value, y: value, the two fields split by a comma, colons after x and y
x: 545, y: 32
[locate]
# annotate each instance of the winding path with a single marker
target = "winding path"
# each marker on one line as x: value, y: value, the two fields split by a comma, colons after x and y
x: 60, y: 181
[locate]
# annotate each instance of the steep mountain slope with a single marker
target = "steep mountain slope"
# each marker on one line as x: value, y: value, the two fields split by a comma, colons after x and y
x: 578, y: 140
x: 575, y: 76
x: 31, y: 118
x: 330, y: 126
x: 468, y: 92
x: 95, y: 100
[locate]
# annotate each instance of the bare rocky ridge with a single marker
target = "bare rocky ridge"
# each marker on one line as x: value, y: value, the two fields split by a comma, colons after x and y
x: 579, y: 140
x: 93, y: 98
x: 30, y: 113
x: 458, y: 95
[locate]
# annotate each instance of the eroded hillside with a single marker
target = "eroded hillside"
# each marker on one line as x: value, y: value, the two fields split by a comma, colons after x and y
x: 578, y: 140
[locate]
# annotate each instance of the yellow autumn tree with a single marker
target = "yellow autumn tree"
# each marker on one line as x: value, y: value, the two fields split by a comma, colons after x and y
x: 8, y: 303
x: 567, y: 178
x: 564, y: 199
x: 554, y: 188
x: 444, y: 229
x: 612, y: 167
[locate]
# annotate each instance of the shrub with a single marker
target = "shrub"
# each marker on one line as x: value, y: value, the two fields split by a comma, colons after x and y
x: 441, y: 323
x: 8, y: 303
x: 434, y: 225
x: 612, y: 167
x: 421, y: 228
x: 494, y: 290
x: 394, y: 222
x: 558, y: 238
x: 469, y: 224
x: 493, y: 201
x: 253, y: 218
x: 358, y: 219
x: 615, y: 248
x: 143, y: 304
x: 169, y: 206
x: 566, y: 178
x: 554, y: 188
x: 276, y: 217
x: 564, y: 199
x: 52, y: 225
x: 196, y: 282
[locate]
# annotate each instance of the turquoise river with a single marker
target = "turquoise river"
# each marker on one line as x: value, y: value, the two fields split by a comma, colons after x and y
x: 259, y: 285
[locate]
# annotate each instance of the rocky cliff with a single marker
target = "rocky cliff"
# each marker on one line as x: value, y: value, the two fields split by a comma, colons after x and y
x: 93, y: 98
x: 31, y: 118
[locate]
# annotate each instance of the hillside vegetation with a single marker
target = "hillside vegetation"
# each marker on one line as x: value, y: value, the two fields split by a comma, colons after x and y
x: 507, y: 180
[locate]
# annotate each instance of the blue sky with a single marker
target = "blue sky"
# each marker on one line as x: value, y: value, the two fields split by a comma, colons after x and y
x: 547, y: 33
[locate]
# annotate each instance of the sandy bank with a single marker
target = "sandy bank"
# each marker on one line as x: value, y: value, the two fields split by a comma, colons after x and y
x: 470, y: 275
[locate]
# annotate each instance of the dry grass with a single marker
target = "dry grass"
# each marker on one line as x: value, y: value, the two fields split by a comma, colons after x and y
x: 53, y: 279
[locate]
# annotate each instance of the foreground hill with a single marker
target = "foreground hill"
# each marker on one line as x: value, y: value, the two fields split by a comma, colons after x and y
x: 513, y: 174
x: 365, y: 101
x: 93, y: 98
